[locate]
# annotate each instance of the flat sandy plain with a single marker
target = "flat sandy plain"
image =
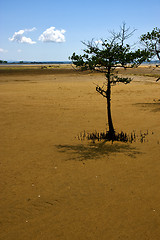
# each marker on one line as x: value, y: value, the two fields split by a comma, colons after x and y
x: 54, y: 186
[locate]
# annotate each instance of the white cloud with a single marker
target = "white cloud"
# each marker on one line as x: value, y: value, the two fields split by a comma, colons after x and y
x: 19, y: 50
x: 31, y: 30
x: 52, y: 35
x: 3, y: 50
x: 18, y: 36
x: 98, y: 42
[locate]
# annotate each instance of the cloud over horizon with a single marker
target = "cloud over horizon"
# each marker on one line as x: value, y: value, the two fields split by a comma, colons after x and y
x: 18, y: 36
x: 52, y: 35
x: 3, y: 50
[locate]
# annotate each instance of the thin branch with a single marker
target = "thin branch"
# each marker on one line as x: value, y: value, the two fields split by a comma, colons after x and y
x: 101, y: 91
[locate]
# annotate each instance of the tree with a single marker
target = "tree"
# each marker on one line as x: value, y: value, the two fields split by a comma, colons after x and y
x: 152, y: 42
x: 106, y: 57
x: 1, y: 61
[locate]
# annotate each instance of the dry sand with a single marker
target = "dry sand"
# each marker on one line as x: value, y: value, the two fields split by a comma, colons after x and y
x: 53, y: 186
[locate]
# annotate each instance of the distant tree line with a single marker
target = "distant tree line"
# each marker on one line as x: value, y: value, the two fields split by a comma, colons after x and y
x: 1, y: 62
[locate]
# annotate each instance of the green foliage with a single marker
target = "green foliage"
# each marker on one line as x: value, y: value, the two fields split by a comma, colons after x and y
x: 1, y: 61
x: 117, y: 79
x: 111, y: 54
x: 151, y: 40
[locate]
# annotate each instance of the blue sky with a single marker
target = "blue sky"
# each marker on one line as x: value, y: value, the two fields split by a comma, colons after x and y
x: 52, y: 30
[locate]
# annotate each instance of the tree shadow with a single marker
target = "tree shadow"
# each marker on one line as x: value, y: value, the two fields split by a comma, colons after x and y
x: 153, y: 107
x: 91, y: 151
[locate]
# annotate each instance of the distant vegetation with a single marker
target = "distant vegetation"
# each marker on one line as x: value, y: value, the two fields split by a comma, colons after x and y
x: 30, y: 62
x: 2, y: 62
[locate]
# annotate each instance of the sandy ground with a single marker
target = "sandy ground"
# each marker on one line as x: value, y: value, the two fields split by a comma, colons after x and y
x: 53, y: 186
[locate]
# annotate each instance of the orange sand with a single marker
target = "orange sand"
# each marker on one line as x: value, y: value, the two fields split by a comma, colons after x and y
x: 54, y: 186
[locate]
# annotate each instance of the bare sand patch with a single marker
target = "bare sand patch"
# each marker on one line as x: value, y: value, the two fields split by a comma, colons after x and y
x: 54, y: 186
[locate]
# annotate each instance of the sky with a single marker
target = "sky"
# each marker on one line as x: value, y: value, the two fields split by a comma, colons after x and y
x: 49, y: 30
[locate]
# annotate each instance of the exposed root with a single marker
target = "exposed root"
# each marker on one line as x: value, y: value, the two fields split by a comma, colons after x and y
x: 119, y: 137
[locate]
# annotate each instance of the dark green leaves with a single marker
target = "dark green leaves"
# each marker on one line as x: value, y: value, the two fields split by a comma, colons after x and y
x: 117, y: 79
x: 151, y: 40
x: 111, y: 54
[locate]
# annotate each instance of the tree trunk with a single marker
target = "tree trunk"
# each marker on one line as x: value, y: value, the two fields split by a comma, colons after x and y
x: 110, y: 123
